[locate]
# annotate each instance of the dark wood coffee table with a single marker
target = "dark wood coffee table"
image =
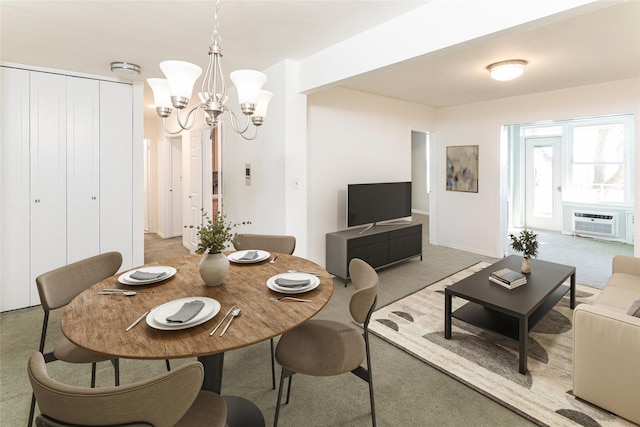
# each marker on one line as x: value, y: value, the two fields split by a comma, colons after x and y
x: 510, y: 312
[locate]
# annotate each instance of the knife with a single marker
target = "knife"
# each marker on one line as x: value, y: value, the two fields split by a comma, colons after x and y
x: 142, y: 316
x: 225, y: 316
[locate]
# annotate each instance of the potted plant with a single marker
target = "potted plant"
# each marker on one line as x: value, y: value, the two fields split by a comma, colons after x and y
x: 527, y: 243
x: 213, y: 238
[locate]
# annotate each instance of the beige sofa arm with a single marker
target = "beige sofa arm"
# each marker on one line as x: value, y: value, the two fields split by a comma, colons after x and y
x: 606, y: 366
x: 625, y: 264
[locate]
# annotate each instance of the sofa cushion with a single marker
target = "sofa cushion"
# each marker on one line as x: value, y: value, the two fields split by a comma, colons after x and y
x: 634, y: 310
x: 617, y: 297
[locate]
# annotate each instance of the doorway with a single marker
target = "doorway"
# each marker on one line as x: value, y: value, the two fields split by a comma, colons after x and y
x: 174, y: 187
x: 543, y: 183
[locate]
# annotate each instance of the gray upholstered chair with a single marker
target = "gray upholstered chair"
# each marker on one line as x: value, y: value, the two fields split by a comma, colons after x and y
x: 56, y: 289
x: 327, y: 347
x: 274, y: 244
x: 173, y: 398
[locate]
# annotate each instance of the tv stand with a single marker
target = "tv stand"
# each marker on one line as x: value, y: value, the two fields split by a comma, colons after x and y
x: 378, y: 246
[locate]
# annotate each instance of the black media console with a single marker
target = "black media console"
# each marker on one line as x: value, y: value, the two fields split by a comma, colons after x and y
x: 380, y: 246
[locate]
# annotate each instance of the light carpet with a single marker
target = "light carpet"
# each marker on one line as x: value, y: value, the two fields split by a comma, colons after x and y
x: 488, y: 362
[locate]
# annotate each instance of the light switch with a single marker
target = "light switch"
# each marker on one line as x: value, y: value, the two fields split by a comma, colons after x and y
x: 247, y: 174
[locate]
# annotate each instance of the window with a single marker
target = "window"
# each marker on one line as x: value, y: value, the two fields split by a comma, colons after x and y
x: 599, y: 161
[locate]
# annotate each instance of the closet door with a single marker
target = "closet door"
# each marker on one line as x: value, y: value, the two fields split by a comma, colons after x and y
x: 15, y: 280
x: 48, y: 188
x: 83, y: 168
x: 116, y: 170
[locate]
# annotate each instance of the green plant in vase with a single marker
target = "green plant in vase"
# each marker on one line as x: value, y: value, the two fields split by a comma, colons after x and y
x: 526, y: 243
x: 213, y: 237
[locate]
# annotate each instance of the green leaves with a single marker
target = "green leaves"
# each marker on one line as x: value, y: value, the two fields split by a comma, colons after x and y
x: 214, y: 235
x: 526, y: 242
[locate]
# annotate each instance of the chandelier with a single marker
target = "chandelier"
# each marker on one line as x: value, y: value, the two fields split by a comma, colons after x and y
x: 175, y: 91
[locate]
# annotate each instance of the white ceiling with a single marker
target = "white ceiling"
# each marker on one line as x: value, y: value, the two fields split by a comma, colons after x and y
x: 86, y: 36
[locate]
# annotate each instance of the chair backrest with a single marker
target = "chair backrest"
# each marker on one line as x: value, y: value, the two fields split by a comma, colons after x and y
x: 365, y: 280
x: 58, y: 287
x: 160, y: 401
x: 266, y: 242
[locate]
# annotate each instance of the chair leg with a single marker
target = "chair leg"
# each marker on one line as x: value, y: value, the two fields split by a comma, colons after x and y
x: 32, y: 410
x: 93, y: 375
x: 275, y: 420
x: 116, y: 370
x: 273, y: 367
x: 168, y: 365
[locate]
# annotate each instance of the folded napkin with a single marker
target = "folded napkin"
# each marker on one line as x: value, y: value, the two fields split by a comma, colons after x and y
x: 249, y: 256
x: 145, y: 275
x: 187, y: 312
x: 292, y: 283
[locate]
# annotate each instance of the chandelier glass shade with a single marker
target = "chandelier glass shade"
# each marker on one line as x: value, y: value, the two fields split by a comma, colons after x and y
x: 176, y: 89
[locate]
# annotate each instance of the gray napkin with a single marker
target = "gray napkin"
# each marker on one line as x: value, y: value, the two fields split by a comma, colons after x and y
x: 292, y: 283
x: 144, y: 275
x: 187, y: 312
x: 249, y: 256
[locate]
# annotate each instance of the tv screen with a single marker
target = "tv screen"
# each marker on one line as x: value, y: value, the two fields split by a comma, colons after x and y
x: 371, y: 203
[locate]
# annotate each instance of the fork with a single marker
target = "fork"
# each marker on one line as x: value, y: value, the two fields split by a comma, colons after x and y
x: 274, y: 259
x: 290, y: 298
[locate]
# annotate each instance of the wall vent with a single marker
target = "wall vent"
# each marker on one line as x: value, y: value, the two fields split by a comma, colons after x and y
x: 599, y: 224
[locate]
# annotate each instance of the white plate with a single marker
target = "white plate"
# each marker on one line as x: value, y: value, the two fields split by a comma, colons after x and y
x: 313, y: 283
x: 126, y: 279
x: 154, y: 318
x: 235, y: 257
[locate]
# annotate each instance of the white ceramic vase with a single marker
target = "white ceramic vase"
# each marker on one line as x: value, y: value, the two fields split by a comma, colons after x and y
x: 214, y: 268
x: 526, y: 265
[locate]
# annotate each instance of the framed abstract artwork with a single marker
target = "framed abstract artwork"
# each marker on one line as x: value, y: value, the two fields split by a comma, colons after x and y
x: 462, y: 168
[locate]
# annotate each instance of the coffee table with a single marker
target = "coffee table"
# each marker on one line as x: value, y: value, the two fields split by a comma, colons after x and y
x: 510, y: 312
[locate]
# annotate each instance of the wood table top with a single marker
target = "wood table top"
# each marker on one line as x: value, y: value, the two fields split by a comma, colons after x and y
x: 98, y: 322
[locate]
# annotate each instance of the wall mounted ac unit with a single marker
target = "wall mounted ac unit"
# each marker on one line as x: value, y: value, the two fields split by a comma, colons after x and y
x: 599, y: 224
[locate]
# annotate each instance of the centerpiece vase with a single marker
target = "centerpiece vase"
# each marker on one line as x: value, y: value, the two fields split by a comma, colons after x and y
x: 214, y: 268
x: 526, y: 265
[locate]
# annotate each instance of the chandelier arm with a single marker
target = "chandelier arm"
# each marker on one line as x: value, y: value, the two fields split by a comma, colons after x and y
x: 250, y: 138
x: 186, y: 125
x: 235, y: 124
x: 168, y: 131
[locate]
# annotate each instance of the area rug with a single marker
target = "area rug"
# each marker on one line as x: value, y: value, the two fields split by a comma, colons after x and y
x: 488, y: 362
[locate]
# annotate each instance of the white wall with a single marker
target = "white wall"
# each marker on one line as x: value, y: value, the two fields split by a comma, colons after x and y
x: 277, y: 156
x: 470, y: 221
x: 354, y: 137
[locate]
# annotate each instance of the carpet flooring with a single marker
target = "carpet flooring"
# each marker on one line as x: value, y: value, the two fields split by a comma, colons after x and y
x: 488, y: 362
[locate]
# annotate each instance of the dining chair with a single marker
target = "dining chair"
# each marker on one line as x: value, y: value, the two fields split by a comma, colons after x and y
x: 321, y: 347
x: 173, y: 398
x: 274, y: 244
x: 56, y: 289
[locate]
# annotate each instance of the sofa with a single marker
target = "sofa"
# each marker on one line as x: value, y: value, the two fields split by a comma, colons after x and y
x: 606, y: 343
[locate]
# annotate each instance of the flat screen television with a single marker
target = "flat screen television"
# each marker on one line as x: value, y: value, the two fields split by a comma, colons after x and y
x: 371, y: 203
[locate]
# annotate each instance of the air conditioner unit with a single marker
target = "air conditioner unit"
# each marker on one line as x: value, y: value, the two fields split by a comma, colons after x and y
x: 631, y: 221
x: 599, y: 224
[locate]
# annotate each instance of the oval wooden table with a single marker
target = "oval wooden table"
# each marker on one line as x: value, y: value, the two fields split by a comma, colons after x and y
x: 98, y: 322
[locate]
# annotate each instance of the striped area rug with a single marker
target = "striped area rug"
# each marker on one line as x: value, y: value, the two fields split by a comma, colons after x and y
x: 488, y: 362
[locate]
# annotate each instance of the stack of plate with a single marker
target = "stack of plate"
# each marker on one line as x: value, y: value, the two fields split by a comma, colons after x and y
x: 260, y: 256
x: 126, y: 278
x: 314, y: 281
x: 157, y: 318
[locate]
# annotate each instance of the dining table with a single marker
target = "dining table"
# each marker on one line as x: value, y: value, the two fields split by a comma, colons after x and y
x: 98, y: 322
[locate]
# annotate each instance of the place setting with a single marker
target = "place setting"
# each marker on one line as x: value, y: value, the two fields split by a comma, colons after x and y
x: 182, y: 313
x: 147, y: 275
x: 293, y: 282
x: 251, y: 256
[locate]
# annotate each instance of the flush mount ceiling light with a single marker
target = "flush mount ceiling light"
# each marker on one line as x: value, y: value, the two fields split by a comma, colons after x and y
x: 507, y: 70
x: 125, y: 68
x: 176, y: 90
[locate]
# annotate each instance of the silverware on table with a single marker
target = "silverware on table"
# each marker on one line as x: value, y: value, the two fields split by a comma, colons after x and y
x: 220, y: 323
x: 289, y: 299
x: 314, y: 273
x: 135, y: 322
x: 235, y: 314
x: 274, y: 259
